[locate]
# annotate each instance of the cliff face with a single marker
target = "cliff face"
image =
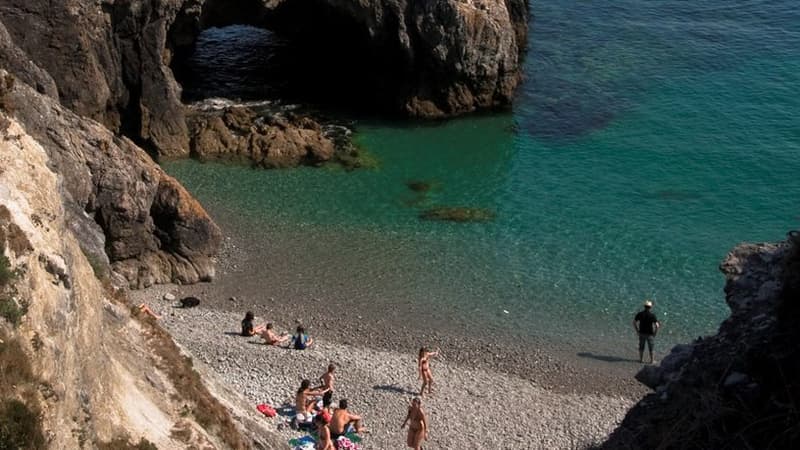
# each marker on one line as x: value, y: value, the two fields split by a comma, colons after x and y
x: 123, y: 206
x: 110, y: 60
x: 741, y: 387
x: 85, y: 368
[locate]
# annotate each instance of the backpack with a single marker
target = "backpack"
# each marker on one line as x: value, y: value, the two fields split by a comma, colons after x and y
x: 300, y: 342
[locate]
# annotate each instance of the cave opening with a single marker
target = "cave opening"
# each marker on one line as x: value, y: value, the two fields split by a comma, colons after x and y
x: 301, y: 52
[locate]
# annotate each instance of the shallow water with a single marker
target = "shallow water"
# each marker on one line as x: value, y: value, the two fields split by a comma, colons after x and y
x: 647, y: 140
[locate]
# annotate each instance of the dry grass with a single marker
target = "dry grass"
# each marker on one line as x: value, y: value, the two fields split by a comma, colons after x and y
x: 10, y: 308
x: 203, y: 406
x: 124, y: 443
x: 20, y: 427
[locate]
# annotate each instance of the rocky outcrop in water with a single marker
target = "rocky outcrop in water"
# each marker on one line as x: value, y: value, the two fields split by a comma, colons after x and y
x: 741, y: 387
x: 123, y: 207
x: 110, y: 61
x: 269, y: 141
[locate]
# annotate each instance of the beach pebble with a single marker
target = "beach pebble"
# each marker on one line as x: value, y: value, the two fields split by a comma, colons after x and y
x: 380, y: 384
x: 169, y: 297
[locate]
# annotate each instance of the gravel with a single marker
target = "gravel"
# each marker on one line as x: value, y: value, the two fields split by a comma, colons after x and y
x: 472, y: 405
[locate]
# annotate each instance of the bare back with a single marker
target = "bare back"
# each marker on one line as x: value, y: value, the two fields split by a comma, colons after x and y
x: 327, y: 380
x: 416, y: 417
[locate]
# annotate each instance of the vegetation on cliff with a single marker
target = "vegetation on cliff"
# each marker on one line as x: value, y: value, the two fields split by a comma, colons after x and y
x: 20, y: 427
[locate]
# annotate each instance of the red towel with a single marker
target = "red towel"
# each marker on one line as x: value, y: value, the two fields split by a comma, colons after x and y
x: 266, y: 410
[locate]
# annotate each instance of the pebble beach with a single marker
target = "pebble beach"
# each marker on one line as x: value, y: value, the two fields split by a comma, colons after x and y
x: 486, y: 395
x: 470, y: 407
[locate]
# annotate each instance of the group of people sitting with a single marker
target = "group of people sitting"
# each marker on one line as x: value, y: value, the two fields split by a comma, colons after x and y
x: 314, y: 408
x: 313, y: 405
x: 300, y: 340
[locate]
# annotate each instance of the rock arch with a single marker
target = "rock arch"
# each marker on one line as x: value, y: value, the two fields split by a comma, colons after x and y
x: 111, y: 60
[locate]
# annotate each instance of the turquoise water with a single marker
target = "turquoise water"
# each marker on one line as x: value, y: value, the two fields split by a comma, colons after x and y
x: 647, y: 140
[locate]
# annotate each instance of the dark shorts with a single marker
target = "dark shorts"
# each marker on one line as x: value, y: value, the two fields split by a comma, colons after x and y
x: 646, y: 338
x: 327, y: 399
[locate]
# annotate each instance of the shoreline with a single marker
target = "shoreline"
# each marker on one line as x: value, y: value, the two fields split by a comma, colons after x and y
x: 249, y: 272
x: 470, y: 407
x: 552, y: 398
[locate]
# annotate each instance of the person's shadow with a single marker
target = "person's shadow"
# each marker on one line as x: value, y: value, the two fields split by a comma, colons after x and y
x: 393, y: 388
x: 606, y: 358
x: 233, y: 333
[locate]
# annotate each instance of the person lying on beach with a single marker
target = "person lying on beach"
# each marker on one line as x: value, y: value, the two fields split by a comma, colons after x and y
x: 272, y: 338
x: 326, y: 381
x: 305, y: 399
x: 343, y: 421
x: 424, y: 369
x: 146, y: 309
x: 324, y: 441
x: 247, y: 325
x: 417, y: 425
x: 301, y: 340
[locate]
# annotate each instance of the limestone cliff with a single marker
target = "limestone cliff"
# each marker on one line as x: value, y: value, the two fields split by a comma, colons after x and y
x: 88, y: 371
x: 110, y: 60
x: 118, y: 201
x: 739, y: 388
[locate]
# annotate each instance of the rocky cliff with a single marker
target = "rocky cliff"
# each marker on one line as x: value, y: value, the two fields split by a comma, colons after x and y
x: 79, y: 366
x: 110, y: 60
x: 118, y: 201
x: 741, y: 387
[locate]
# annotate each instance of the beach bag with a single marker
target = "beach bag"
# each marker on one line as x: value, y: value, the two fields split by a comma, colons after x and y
x: 300, y: 342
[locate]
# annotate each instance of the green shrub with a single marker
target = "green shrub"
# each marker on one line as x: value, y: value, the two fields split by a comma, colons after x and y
x: 6, y: 273
x: 10, y: 310
x: 19, y: 426
x: 123, y: 443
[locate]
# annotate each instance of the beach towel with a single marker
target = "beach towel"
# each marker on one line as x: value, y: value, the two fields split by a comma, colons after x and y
x: 266, y: 410
x: 344, y: 443
x: 303, y: 443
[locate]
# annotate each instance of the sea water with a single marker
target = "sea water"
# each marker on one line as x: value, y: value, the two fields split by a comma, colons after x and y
x: 647, y: 139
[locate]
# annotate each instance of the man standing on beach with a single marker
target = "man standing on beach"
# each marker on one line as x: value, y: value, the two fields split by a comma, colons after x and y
x: 327, y: 379
x: 646, y: 325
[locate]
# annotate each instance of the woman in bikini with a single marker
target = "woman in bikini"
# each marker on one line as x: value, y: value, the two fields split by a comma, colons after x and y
x: 424, y: 369
x: 324, y: 441
x: 417, y: 425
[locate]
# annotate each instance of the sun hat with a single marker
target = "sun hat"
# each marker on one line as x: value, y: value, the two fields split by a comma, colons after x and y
x: 648, y: 303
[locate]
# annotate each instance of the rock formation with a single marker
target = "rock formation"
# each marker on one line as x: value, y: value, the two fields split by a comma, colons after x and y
x: 119, y: 202
x: 111, y: 60
x: 78, y: 369
x: 741, y: 387
x: 272, y: 141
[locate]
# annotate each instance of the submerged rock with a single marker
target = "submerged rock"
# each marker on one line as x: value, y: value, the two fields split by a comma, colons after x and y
x: 420, y: 186
x: 457, y: 214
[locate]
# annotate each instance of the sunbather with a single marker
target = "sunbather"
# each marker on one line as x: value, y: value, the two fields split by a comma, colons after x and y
x: 272, y: 338
x: 146, y: 309
x: 327, y: 380
x: 343, y: 420
x: 305, y: 399
x: 247, y: 325
x: 417, y: 425
x: 324, y: 441
x: 424, y: 368
x: 301, y: 340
